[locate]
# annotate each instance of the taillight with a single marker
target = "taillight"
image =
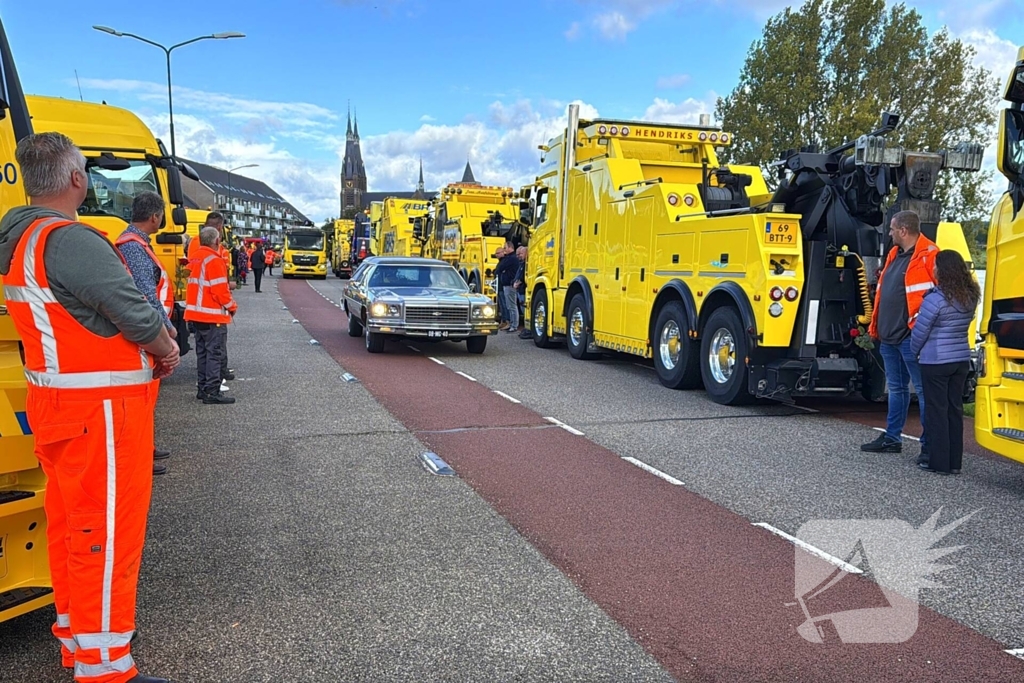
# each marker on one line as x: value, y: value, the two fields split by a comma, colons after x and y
x: 776, y: 294
x: 791, y: 294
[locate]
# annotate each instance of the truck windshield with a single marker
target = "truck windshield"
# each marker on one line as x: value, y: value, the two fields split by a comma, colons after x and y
x: 417, y: 276
x: 306, y: 242
x: 111, y: 192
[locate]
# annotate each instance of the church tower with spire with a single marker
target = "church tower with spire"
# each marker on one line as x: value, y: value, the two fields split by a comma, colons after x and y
x: 353, y: 174
x: 421, y: 191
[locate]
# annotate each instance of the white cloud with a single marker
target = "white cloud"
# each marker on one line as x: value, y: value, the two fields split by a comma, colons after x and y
x: 995, y: 53
x: 672, y: 82
x: 574, y: 30
x: 687, y: 111
x: 427, y: 118
x: 613, y: 25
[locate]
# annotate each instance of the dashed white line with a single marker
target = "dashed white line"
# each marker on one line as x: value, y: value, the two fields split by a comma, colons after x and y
x: 564, y: 426
x: 656, y: 472
x: 506, y: 396
x: 471, y: 379
x: 439, y: 362
x: 817, y: 552
x: 1018, y: 653
x: 905, y: 436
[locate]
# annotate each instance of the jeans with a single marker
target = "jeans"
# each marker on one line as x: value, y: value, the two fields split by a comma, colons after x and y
x: 901, y: 369
x: 944, y: 405
x: 209, y: 354
x: 223, y: 351
x: 502, y: 309
x: 511, y: 306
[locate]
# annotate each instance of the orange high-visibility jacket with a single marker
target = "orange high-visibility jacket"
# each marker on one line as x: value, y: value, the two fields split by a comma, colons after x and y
x: 59, y: 351
x: 268, y: 258
x: 193, y: 249
x: 163, y: 287
x: 207, y: 297
x: 920, y: 279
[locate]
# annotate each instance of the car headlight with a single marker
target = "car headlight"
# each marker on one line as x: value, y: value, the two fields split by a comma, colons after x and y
x: 483, y: 311
x: 383, y: 310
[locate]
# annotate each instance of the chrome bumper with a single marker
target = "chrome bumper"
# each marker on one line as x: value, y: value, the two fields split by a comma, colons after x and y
x: 453, y: 331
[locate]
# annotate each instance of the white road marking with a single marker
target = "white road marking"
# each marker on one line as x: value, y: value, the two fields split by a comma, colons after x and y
x: 439, y: 362
x: 1018, y: 653
x: 564, y: 426
x: 905, y: 436
x: 471, y: 379
x: 817, y: 552
x: 656, y: 472
x: 803, y: 408
x: 410, y: 346
x: 506, y: 396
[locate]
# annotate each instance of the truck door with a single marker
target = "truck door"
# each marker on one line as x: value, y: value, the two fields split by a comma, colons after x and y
x: 611, y: 228
x: 637, y: 269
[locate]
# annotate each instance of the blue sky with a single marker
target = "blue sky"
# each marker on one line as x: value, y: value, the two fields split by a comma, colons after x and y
x: 446, y: 80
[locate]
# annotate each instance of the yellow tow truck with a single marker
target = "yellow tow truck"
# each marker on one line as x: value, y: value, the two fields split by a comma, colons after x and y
x: 24, y: 567
x: 341, y: 247
x: 465, y: 225
x: 372, y: 220
x: 999, y: 407
x: 396, y: 226
x: 305, y: 253
x: 643, y: 243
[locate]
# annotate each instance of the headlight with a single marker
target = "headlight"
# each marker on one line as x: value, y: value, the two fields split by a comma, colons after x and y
x: 484, y: 311
x: 775, y: 310
x: 382, y: 310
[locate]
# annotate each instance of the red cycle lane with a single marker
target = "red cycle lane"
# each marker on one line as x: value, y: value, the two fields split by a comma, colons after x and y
x: 710, y: 596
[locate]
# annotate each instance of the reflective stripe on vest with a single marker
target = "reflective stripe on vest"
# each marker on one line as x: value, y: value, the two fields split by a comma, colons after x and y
x: 35, y: 310
x: 202, y: 284
x: 163, y: 287
x: 920, y: 287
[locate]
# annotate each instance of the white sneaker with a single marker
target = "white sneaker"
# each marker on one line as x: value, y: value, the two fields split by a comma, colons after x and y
x: 224, y: 386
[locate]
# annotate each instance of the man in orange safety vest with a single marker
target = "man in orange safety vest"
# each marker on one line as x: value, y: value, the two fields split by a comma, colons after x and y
x: 209, y: 307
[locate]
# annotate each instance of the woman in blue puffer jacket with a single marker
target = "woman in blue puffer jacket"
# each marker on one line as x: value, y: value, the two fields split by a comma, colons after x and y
x: 939, y: 339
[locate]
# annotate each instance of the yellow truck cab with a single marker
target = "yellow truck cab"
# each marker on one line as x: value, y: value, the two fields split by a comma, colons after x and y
x: 305, y: 253
x: 373, y: 219
x: 396, y: 226
x: 999, y: 407
x: 467, y: 222
x: 341, y: 247
x: 24, y: 569
x: 643, y: 243
x: 123, y: 159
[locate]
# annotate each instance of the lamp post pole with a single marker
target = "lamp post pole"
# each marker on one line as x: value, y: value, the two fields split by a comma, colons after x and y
x: 167, y: 52
x: 230, y: 171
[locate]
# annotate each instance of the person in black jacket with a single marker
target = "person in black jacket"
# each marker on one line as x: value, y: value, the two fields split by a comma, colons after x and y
x: 506, y: 271
x: 258, y: 260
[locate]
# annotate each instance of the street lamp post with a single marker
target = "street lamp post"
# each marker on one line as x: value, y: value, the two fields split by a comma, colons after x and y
x: 167, y: 51
x: 232, y: 170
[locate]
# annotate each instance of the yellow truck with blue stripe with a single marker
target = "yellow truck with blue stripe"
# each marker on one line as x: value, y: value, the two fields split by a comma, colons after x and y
x: 24, y: 568
x: 999, y: 407
x: 644, y: 243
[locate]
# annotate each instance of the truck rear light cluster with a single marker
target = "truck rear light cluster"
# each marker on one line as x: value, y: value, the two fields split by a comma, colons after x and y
x: 776, y: 294
x: 775, y: 310
x: 791, y: 294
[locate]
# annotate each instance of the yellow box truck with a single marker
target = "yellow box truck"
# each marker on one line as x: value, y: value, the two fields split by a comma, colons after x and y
x: 396, y: 226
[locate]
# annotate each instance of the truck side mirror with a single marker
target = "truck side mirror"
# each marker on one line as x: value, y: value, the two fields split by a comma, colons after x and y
x: 174, y: 194
x: 179, y: 216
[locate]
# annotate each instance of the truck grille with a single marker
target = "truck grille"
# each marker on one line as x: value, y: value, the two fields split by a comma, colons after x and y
x: 436, y: 314
x: 303, y: 260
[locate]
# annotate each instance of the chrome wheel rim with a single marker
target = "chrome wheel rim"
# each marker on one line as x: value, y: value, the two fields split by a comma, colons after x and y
x: 722, y: 355
x: 670, y: 345
x: 576, y: 327
x: 540, y: 316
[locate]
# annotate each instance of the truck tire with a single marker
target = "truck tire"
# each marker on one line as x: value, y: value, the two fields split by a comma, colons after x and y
x: 577, y: 336
x: 476, y: 344
x: 355, y: 326
x: 723, y: 353
x: 374, y: 341
x: 676, y: 355
x: 539, y: 321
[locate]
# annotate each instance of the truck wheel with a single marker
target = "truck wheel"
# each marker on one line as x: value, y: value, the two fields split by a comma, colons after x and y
x: 539, y: 321
x: 355, y: 326
x: 476, y: 344
x: 374, y: 341
x: 676, y: 357
x: 723, y: 353
x: 578, y: 335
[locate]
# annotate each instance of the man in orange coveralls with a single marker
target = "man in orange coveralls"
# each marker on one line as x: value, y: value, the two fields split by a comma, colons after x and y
x: 93, y: 346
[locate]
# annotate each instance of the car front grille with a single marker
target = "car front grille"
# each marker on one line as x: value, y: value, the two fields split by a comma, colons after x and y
x: 436, y: 314
x: 301, y: 260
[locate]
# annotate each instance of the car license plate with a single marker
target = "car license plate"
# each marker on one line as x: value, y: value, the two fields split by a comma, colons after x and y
x: 437, y: 333
x: 780, y: 233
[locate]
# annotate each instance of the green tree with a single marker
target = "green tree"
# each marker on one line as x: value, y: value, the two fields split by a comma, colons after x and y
x: 823, y: 73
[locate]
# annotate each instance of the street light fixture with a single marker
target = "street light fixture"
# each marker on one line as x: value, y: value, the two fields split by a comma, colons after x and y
x: 230, y: 171
x: 167, y: 51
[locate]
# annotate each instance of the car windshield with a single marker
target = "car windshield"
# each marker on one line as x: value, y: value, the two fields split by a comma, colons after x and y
x: 111, y: 192
x: 441, y: 277
x: 306, y: 242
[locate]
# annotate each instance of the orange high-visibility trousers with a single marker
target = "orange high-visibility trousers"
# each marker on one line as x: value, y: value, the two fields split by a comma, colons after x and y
x: 96, y: 448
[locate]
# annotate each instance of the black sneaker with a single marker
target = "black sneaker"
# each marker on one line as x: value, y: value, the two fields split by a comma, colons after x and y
x: 200, y: 394
x: 230, y: 374
x: 159, y: 454
x: 159, y: 469
x: 217, y: 399
x: 883, y: 444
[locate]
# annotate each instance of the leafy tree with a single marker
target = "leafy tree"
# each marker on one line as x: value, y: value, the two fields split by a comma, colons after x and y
x: 822, y: 74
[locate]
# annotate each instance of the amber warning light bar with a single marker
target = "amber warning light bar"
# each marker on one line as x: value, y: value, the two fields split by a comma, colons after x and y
x: 656, y: 133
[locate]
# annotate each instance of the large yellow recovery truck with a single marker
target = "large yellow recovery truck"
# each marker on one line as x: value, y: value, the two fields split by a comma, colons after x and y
x: 999, y: 408
x: 465, y: 225
x: 645, y: 244
x: 305, y: 253
x: 24, y: 569
x: 396, y: 226
x: 341, y: 247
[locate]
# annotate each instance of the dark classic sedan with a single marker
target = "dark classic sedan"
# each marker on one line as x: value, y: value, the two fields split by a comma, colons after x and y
x: 424, y: 299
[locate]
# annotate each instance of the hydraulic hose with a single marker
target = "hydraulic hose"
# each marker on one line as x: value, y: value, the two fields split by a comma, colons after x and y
x: 862, y: 284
